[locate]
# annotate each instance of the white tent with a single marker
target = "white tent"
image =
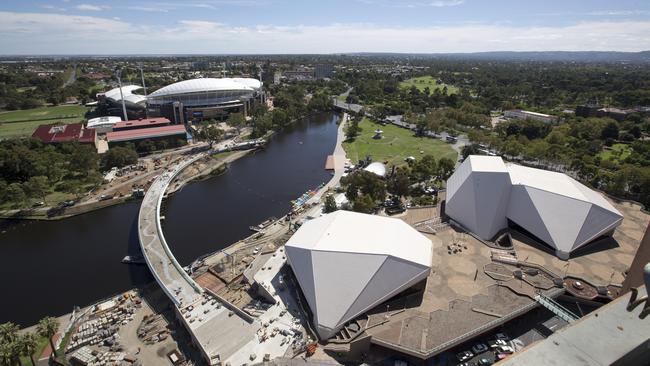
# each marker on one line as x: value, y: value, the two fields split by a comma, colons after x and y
x: 376, y: 168
x: 484, y: 193
x: 347, y: 263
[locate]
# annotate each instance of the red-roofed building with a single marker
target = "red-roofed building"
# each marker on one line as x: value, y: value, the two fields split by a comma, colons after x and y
x: 65, y: 133
x: 175, y: 132
x: 140, y: 123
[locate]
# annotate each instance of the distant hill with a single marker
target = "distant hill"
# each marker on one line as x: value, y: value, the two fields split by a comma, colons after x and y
x: 566, y: 56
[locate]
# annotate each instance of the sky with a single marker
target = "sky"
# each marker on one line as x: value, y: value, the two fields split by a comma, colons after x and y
x: 85, y: 27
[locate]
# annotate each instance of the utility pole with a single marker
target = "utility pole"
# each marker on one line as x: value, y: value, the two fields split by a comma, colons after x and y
x: 118, y: 74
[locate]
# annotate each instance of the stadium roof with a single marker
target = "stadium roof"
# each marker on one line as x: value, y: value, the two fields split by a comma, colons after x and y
x: 207, y: 84
x: 144, y: 133
x: 483, y: 193
x: 127, y: 92
x: 347, y: 263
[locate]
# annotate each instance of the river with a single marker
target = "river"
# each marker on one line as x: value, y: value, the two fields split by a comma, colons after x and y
x: 47, y: 267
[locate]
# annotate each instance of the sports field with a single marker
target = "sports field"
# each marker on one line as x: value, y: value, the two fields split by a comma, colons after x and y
x: 427, y: 81
x: 397, y: 144
x: 24, y: 122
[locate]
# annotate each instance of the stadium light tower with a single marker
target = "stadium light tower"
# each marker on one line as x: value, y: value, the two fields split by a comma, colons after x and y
x: 118, y: 74
x: 144, y: 86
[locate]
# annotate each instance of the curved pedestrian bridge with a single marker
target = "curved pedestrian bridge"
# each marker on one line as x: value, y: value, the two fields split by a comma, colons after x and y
x: 169, y: 274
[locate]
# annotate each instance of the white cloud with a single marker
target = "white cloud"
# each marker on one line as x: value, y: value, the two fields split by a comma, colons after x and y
x: 413, y: 4
x: 52, y: 7
x: 619, y: 12
x: 42, y: 33
x: 89, y: 7
x: 148, y: 9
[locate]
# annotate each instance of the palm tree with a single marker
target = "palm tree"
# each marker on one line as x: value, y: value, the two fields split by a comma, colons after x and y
x: 17, y: 350
x: 6, y: 354
x: 29, y: 342
x: 48, y: 327
x: 8, y: 332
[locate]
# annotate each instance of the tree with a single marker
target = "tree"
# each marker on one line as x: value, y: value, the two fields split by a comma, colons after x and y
x: 424, y: 169
x: 84, y: 159
x: 29, y: 343
x: 37, y: 186
x: 364, y: 204
x: 6, y: 354
x: 398, y: 183
x: 445, y: 168
x: 8, y: 332
x: 119, y: 156
x: 47, y: 327
x: 330, y: 204
x: 610, y: 131
x: 237, y: 121
x: 353, y: 129
x: 15, y: 193
x: 211, y: 133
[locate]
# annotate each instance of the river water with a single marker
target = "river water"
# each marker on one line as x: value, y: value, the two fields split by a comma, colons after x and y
x: 47, y: 267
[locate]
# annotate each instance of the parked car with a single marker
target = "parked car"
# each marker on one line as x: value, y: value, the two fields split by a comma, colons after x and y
x: 38, y: 204
x: 505, y: 349
x: 479, y: 348
x: 497, y: 343
x: 464, y: 356
x: 502, y: 336
x: 485, y: 362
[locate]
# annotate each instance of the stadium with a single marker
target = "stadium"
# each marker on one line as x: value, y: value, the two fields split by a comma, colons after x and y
x: 207, y: 98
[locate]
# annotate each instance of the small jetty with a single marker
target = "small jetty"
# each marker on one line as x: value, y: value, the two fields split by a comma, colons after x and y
x: 329, y: 163
x: 263, y: 225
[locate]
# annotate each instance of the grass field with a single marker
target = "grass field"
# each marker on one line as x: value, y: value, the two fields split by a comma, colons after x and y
x: 618, y: 153
x: 397, y: 144
x: 426, y: 81
x: 24, y: 122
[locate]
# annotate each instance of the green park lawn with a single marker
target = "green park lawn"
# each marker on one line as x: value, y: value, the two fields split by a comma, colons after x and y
x: 426, y: 81
x: 24, y: 122
x: 397, y: 144
x: 618, y: 153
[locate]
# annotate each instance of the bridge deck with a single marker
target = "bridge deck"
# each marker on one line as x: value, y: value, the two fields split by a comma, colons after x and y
x: 180, y: 288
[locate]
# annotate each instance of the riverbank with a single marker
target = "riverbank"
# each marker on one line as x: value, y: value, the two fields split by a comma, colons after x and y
x: 204, y: 170
x: 84, y: 252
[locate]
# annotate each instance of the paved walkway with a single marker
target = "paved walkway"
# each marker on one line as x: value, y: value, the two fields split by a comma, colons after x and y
x: 339, y: 162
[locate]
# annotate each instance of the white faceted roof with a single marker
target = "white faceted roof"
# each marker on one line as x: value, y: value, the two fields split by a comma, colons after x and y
x: 347, y: 263
x: 556, y: 183
x: 207, y: 84
x: 560, y: 211
x: 347, y: 231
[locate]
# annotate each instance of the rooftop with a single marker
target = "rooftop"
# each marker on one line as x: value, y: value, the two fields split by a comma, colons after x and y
x: 207, y: 84
x: 140, y: 123
x: 144, y: 133
x: 63, y: 133
x: 604, y: 337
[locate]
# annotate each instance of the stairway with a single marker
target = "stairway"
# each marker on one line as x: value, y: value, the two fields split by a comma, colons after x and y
x: 557, y: 309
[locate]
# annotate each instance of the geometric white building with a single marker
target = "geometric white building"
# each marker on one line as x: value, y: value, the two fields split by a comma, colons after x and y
x: 484, y: 193
x: 347, y: 263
